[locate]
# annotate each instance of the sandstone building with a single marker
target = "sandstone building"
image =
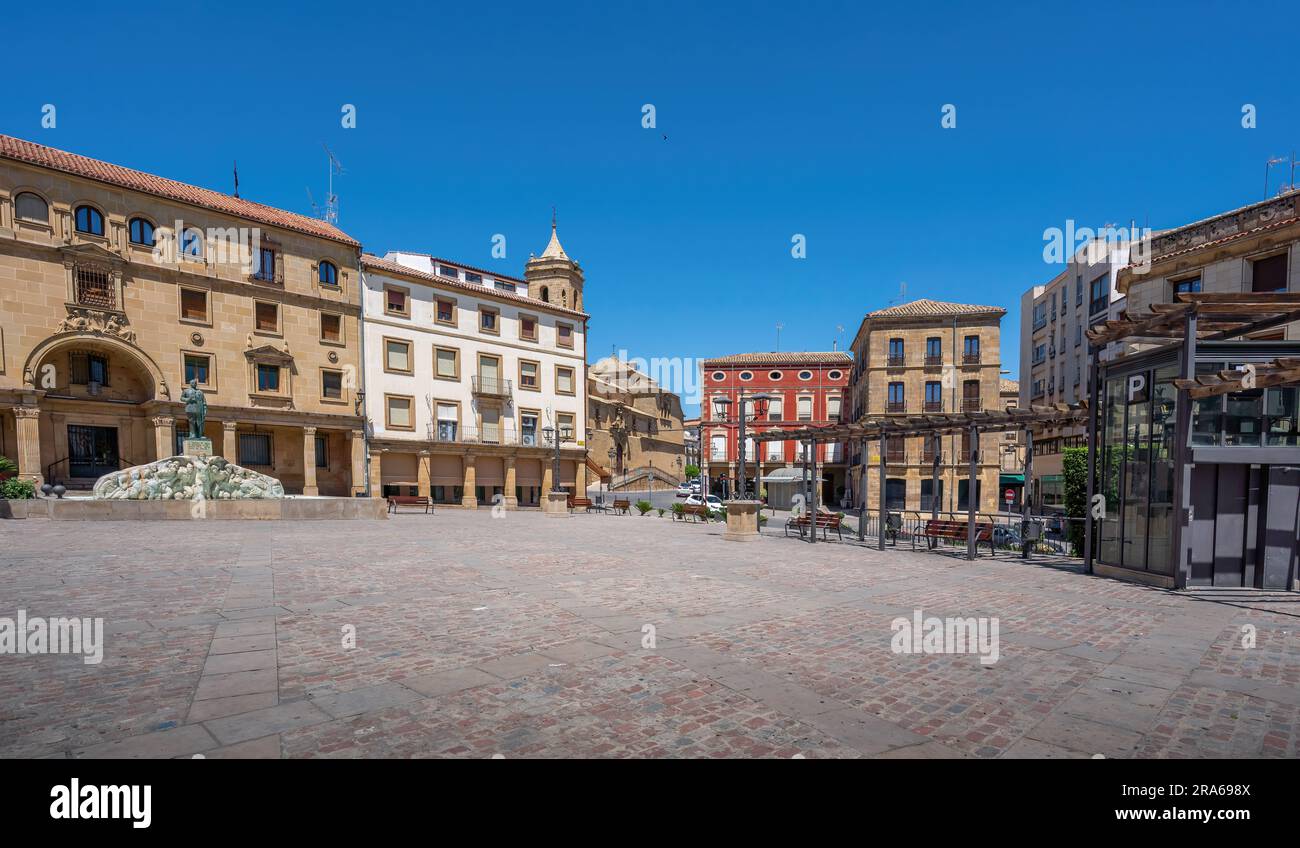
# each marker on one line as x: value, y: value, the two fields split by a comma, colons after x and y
x: 635, y: 426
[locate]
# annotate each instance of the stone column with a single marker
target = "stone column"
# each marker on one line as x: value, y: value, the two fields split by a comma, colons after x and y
x: 548, y: 477
x: 422, y: 473
x: 357, y: 449
x: 164, y: 436
x: 467, y: 497
x: 229, y: 444
x: 510, y: 500
x: 376, y: 473
x: 29, y: 444
x: 309, y: 461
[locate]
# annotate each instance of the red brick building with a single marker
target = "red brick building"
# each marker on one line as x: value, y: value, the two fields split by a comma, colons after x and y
x: 807, y: 389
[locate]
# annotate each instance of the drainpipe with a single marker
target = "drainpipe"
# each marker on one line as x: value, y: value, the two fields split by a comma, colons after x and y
x: 361, y: 332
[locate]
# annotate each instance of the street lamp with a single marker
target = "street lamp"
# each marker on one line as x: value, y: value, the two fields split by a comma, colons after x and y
x: 612, y: 453
x: 554, y: 437
x: 722, y: 405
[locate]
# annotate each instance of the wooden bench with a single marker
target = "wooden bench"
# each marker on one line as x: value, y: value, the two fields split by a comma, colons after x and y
x: 695, y: 512
x: 394, y: 501
x: 579, y: 503
x: 824, y: 521
x: 938, y: 528
x: 621, y: 506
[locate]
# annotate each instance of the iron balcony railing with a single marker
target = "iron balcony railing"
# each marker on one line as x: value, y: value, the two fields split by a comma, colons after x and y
x: 970, y: 359
x: 453, y: 432
x: 490, y: 386
x: 934, y: 406
x: 896, y: 406
x: 970, y: 404
x: 896, y: 360
x: 933, y: 360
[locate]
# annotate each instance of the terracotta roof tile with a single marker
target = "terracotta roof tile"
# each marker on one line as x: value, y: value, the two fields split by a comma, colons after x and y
x: 836, y: 357
x: 71, y: 163
x: 388, y: 266
x: 926, y: 308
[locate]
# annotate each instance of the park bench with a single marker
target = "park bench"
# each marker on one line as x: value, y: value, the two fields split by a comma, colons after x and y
x: 937, y: 528
x: 579, y: 503
x: 395, y: 501
x: 824, y: 521
x: 621, y: 506
x: 695, y: 512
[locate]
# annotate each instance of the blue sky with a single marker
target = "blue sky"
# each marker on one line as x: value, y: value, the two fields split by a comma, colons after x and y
x: 814, y: 118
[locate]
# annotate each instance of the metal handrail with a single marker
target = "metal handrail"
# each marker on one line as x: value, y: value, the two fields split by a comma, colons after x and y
x: 122, y: 462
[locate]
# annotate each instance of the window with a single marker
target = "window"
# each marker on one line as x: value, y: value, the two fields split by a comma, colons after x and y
x: 327, y: 273
x: 266, y: 316
x: 776, y: 450
x: 1189, y: 285
x: 718, y: 376
x: 934, y: 351
x: 88, y: 368
x: 804, y: 407
x: 833, y: 408
x: 970, y: 396
x: 934, y: 396
x: 397, y: 356
x: 331, y: 384
x: 194, y: 305
x: 895, y: 494
x: 1100, y: 294
x: 265, y: 269
x: 471, y: 277
x: 448, y: 272
x: 1078, y: 334
x: 774, y: 375
x: 448, y: 421
x: 1078, y: 291
x: 564, y: 421
x: 528, y: 375
x: 563, y: 380
x: 528, y: 328
x: 331, y: 327
x: 446, y: 363
x: 487, y: 320
x: 94, y: 287
x: 970, y: 351
x: 895, y: 351
x: 322, y: 452
x: 564, y: 335
x: 31, y: 208
x: 746, y: 376
x: 191, y: 244
x: 396, y: 302
x: 835, y: 375
x: 255, y: 449
x: 397, y: 412
x: 774, y: 409
x: 896, y: 397
x: 90, y: 221
x: 1268, y: 274
x: 141, y: 232
x: 805, y: 375
x: 444, y: 311
x: 1040, y: 315
x: 268, y: 377
x: 198, y: 367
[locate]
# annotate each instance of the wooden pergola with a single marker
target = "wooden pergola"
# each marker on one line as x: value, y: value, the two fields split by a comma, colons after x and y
x: 1218, y: 315
x: 935, y: 426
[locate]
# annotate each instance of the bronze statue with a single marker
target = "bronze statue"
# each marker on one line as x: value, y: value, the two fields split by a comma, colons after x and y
x: 196, y: 408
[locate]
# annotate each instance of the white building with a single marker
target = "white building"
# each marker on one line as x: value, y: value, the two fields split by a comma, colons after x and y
x: 466, y: 369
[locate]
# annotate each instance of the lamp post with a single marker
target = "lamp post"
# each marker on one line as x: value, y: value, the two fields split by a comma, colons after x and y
x: 554, y: 436
x: 612, y: 453
x: 760, y: 409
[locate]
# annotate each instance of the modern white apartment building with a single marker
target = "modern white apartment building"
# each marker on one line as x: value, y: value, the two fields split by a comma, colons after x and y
x: 1054, y: 350
x: 467, y: 370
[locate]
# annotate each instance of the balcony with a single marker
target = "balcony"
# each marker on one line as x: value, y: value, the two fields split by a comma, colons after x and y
x: 895, y: 456
x: 970, y: 358
x: 934, y: 406
x: 896, y: 360
x: 933, y: 360
x: 450, y: 432
x: 970, y: 404
x: 490, y: 386
x: 896, y: 406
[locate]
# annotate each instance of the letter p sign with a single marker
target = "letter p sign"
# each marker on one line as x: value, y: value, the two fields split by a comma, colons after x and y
x: 1137, y: 388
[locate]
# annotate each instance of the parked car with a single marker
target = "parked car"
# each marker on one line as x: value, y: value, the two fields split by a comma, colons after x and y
x: 685, y: 490
x: 1005, y: 537
x: 715, y: 504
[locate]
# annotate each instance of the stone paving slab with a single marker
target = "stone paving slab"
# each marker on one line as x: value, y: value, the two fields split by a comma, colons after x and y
x: 596, y: 637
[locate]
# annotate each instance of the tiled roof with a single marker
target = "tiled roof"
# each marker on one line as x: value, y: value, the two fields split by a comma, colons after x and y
x: 836, y: 357
x: 926, y: 308
x: 71, y: 163
x: 388, y: 266
x: 438, y: 260
x: 1008, y: 386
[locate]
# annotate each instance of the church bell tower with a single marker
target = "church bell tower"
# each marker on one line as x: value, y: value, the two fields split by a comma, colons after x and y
x: 553, y: 277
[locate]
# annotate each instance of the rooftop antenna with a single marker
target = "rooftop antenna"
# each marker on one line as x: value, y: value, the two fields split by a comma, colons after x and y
x: 1268, y: 167
x: 902, y: 294
x: 839, y: 336
x: 331, y: 215
x: 236, y: 178
x: 779, y: 328
x: 315, y: 207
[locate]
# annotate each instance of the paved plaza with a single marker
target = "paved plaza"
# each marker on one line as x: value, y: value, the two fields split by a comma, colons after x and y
x: 529, y: 636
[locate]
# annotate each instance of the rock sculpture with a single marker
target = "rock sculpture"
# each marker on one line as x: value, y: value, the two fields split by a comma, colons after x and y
x: 187, y: 478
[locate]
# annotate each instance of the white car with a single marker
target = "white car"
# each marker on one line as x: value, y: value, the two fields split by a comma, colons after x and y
x: 715, y: 504
x: 685, y: 490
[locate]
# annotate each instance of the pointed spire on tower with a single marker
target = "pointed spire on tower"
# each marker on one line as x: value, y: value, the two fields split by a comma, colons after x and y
x: 554, y: 250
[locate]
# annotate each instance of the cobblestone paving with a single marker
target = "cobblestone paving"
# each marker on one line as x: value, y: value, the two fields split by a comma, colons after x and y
x: 464, y: 635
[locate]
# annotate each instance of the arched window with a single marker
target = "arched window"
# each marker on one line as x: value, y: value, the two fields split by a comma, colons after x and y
x: 90, y: 221
x: 546, y: 295
x: 191, y: 243
x: 31, y: 207
x: 328, y: 274
x: 142, y: 232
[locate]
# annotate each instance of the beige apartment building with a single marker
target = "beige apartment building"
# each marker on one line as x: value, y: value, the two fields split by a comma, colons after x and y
x: 635, y: 427
x: 922, y: 357
x: 118, y: 287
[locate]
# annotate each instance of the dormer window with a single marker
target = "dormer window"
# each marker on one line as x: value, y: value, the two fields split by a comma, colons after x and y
x: 473, y: 278
x: 90, y: 221
x: 448, y: 272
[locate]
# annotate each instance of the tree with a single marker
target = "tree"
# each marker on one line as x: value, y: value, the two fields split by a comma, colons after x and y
x: 692, y: 471
x: 1074, y: 470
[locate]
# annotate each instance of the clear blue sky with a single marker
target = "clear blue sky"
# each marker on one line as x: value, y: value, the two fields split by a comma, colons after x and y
x: 813, y: 118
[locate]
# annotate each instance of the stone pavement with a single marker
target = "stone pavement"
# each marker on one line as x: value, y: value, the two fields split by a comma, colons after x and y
x: 527, y: 636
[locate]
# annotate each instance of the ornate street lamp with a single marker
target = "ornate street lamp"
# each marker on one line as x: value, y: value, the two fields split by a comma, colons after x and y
x: 612, y: 453
x: 723, y: 405
x: 555, y: 437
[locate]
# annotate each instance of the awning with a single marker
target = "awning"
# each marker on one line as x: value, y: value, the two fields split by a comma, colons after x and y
x: 1011, y: 479
x: 787, y: 475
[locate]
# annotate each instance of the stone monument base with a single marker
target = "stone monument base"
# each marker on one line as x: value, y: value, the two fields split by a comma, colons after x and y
x: 556, y: 504
x: 187, y: 478
x: 742, y: 521
x: 201, y: 448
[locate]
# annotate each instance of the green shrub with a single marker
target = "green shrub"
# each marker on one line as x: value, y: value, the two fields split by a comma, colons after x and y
x: 643, y: 506
x: 679, y: 510
x: 1074, y: 470
x: 7, y: 465
x: 17, y: 489
x: 661, y: 512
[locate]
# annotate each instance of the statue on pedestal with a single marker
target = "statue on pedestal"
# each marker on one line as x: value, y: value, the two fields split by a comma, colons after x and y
x: 196, y: 408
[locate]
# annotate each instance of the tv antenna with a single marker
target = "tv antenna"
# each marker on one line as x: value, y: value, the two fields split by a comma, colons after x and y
x: 1268, y: 169
x: 331, y: 215
x: 902, y: 295
x: 779, y: 328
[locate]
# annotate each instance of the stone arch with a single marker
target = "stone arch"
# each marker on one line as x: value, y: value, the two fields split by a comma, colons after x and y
x: 157, y: 383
